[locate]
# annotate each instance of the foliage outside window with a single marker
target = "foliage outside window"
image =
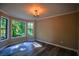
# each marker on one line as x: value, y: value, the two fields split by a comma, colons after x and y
x: 18, y: 28
x: 3, y: 28
x: 30, y: 27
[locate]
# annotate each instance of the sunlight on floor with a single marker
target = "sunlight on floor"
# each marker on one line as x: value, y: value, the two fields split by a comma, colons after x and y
x: 37, y: 45
x: 25, y: 47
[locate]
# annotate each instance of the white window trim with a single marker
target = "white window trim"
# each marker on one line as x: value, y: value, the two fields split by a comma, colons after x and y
x: 7, y: 29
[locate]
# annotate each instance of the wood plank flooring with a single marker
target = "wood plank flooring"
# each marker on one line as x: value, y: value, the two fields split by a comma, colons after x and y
x: 35, y: 48
x: 56, y: 51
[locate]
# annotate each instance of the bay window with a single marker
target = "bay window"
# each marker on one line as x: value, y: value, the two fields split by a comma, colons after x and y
x: 18, y: 28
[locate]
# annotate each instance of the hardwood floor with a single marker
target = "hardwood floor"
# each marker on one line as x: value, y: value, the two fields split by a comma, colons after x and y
x: 56, y: 51
x: 51, y: 50
x: 35, y: 48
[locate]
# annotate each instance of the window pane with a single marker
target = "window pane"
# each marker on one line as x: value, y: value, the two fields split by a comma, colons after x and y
x: 3, y: 28
x: 3, y: 22
x: 18, y: 28
x: 3, y: 33
x: 30, y: 32
x: 30, y: 26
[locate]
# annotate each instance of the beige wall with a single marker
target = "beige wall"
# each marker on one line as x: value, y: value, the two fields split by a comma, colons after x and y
x: 60, y: 30
x: 10, y: 40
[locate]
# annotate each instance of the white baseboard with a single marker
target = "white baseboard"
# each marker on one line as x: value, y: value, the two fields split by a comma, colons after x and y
x: 59, y: 46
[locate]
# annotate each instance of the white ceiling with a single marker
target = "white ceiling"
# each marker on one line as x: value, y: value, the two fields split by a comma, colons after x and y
x: 18, y: 9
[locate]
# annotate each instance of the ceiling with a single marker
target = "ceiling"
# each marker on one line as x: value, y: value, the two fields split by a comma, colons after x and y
x: 21, y: 10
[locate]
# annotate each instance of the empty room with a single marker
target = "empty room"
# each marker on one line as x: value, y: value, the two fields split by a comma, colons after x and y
x: 39, y: 29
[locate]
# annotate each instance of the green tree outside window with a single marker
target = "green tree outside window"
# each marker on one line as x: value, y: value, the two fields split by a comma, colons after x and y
x: 30, y: 27
x: 3, y: 28
x: 18, y: 28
